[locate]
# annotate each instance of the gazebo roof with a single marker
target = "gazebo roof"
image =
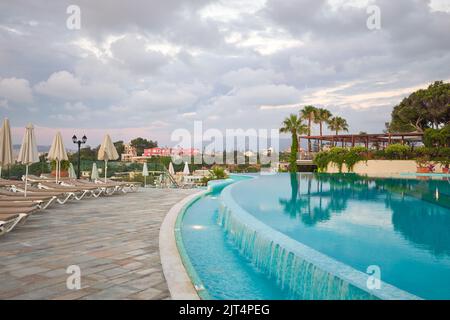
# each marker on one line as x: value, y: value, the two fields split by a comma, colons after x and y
x: 376, y: 137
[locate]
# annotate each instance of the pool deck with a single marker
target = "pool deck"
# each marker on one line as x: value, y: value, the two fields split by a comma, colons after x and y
x: 114, y: 241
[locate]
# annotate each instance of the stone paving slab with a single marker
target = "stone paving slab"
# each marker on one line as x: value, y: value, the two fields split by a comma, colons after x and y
x: 114, y: 241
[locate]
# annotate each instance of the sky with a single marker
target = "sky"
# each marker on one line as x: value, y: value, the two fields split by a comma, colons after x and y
x: 148, y: 67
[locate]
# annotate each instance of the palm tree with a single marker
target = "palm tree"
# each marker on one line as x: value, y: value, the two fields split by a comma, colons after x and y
x: 290, y: 205
x: 337, y: 124
x: 294, y: 126
x: 322, y: 116
x: 308, y: 113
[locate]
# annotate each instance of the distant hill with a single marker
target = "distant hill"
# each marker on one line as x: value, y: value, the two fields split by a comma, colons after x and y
x: 16, y: 147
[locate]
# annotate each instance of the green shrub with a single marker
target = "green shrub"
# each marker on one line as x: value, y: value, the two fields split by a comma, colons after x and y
x: 216, y: 173
x: 350, y: 157
x: 379, y: 155
x: 138, y: 177
x: 359, y: 150
x: 321, y: 160
x: 16, y: 171
x: 446, y: 133
x: 397, y: 151
x: 253, y: 169
x: 437, y: 137
x: 427, y: 152
x: 444, y: 152
x: 64, y: 165
x: 421, y: 152
x: 337, y: 156
x: 353, y: 156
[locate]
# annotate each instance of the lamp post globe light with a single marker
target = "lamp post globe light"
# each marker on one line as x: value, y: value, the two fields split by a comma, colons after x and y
x: 79, y: 143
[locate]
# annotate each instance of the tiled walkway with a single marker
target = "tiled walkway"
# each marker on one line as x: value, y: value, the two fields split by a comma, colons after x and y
x: 113, y: 240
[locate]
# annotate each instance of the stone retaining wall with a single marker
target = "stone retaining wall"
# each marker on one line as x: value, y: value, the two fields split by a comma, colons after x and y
x: 382, y: 167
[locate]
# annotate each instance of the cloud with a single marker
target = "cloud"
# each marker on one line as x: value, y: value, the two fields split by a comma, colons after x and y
x: 64, y: 85
x: 165, y: 96
x: 307, y: 68
x: 4, y: 104
x: 159, y: 65
x: 14, y: 90
x: 226, y: 11
x: 248, y: 77
x: 135, y: 54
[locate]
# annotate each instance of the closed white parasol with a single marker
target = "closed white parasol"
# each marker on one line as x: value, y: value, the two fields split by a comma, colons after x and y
x: 107, y: 152
x: 94, y: 174
x: 6, y: 154
x: 28, y: 152
x: 145, y: 173
x: 58, y: 153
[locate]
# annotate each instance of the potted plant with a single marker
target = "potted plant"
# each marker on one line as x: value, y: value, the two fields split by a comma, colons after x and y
x: 445, y: 164
x: 64, y: 168
x: 445, y: 169
x: 423, y: 165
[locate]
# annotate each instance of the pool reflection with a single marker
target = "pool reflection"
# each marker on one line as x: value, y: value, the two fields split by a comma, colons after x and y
x: 316, y: 198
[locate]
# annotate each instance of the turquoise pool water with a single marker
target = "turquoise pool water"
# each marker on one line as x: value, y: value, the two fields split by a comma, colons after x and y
x: 401, y: 226
x: 224, y: 273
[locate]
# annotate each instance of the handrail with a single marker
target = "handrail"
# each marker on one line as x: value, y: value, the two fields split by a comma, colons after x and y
x: 171, y: 178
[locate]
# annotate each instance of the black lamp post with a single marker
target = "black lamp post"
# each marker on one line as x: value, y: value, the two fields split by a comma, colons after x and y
x: 79, y: 142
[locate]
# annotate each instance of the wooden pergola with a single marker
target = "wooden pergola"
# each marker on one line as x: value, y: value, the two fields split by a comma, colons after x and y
x: 381, y: 140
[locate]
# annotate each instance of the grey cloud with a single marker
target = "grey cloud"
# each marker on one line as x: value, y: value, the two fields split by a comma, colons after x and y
x: 316, y: 18
x: 64, y: 85
x: 336, y: 62
x: 16, y: 90
x: 248, y: 77
x: 131, y: 52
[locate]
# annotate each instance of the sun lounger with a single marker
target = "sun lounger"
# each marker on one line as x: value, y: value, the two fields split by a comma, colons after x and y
x: 44, y: 201
x: 9, y: 183
x: 11, y: 217
x: 19, y: 204
x: 51, y: 188
x: 61, y: 196
x: 133, y: 186
x: 97, y: 190
x: 36, y: 179
x: 80, y: 191
x: 9, y: 195
x: 119, y: 185
x: 83, y: 184
x: 8, y: 221
x: 26, y: 210
x: 108, y: 188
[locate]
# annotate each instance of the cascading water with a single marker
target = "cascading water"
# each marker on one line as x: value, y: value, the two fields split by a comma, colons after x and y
x: 301, y: 278
x: 320, y: 237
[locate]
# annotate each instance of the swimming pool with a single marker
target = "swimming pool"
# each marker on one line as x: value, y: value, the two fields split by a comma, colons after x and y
x: 316, y: 236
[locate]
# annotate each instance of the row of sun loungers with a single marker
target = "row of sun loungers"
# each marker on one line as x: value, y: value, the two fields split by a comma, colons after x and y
x: 42, y: 192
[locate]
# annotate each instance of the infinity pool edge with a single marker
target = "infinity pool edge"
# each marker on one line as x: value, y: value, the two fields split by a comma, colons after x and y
x: 181, y: 277
x: 178, y: 280
x: 340, y: 270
